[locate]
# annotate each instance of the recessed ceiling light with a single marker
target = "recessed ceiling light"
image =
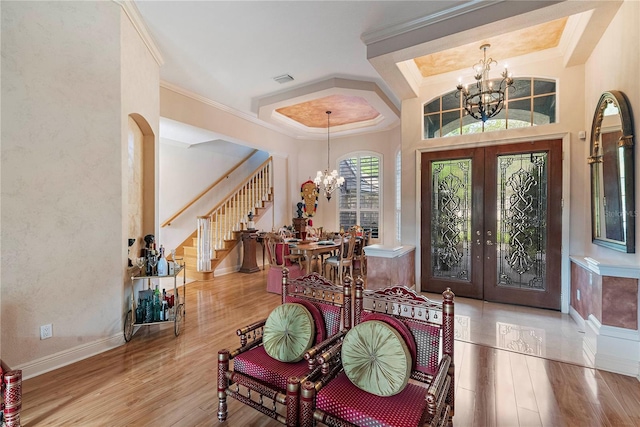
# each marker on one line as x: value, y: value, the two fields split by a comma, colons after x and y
x: 285, y: 78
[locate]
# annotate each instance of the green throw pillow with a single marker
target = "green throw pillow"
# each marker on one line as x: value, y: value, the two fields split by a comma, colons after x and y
x: 376, y: 359
x: 288, y: 332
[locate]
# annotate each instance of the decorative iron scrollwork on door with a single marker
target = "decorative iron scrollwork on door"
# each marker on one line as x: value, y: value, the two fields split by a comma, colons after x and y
x: 451, y: 218
x: 522, y: 218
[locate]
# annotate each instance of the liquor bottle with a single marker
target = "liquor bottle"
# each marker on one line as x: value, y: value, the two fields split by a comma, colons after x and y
x: 162, y: 263
x: 164, y: 314
x: 139, y: 311
x: 148, y: 317
x: 156, y: 308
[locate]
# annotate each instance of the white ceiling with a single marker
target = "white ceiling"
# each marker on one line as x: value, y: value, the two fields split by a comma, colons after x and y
x: 230, y: 51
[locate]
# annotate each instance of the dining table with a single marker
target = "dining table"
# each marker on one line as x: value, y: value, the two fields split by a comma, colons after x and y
x: 310, y: 249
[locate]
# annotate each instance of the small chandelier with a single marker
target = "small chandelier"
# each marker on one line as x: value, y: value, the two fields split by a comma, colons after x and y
x: 484, y: 101
x: 330, y: 181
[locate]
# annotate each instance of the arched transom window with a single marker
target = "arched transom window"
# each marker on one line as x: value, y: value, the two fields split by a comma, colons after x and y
x: 531, y: 102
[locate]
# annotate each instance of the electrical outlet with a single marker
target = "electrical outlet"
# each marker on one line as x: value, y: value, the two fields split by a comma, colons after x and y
x: 578, y: 294
x: 46, y: 331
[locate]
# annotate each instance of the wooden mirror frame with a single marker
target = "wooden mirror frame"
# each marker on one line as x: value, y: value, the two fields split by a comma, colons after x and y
x: 623, y: 219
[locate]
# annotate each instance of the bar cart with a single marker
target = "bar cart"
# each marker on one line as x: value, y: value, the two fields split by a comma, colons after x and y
x: 177, y: 311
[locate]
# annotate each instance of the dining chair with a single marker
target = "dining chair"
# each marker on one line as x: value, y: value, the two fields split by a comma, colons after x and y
x: 312, y: 232
x: 280, y: 258
x: 343, y: 259
x: 360, y: 256
x: 359, y: 259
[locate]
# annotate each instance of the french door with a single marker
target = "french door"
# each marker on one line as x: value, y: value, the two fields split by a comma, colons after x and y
x: 492, y: 223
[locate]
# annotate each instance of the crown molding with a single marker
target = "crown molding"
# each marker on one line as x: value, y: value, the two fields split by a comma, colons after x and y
x: 134, y: 16
x: 375, y: 36
x: 253, y: 119
x: 291, y: 132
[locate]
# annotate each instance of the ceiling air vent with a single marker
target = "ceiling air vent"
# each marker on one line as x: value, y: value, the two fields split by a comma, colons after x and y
x: 285, y: 78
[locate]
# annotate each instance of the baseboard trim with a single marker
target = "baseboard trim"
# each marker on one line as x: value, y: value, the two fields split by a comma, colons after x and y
x: 66, y: 357
x: 578, y: 319
x: 618, y: 365
x: 227, y: 270
x: 608, y: 343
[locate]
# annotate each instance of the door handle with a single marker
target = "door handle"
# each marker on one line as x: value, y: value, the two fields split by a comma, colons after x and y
x: 489, y: 243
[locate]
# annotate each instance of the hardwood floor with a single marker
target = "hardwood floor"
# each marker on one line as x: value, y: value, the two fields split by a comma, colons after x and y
x: 158, y: 379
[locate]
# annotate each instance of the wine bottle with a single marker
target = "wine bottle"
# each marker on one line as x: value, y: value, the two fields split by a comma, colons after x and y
x: 162, y: 263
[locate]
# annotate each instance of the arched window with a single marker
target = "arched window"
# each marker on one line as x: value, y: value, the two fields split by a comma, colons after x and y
x: 530, y: 102
x: 360, y: 197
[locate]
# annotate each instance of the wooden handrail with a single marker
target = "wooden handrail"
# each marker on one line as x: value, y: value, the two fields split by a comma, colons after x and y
x: 239, y: 186
x: 218, y: 226
x: 209, y: 188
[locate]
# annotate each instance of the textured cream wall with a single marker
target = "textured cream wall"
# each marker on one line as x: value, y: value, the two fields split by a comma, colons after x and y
x: 65, y: 180
x: 62, y: 179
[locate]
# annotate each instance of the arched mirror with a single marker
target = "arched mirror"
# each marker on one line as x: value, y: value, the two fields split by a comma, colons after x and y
x: 612, y: 174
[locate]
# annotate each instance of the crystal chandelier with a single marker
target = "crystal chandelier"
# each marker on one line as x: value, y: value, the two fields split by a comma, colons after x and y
x: 330, y: 181
x: 483, y: 101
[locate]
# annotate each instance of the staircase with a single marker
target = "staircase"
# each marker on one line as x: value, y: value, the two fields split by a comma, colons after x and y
x: 219, y: 231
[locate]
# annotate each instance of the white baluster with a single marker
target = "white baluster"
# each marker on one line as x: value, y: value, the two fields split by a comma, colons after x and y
x: 204, y: 244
